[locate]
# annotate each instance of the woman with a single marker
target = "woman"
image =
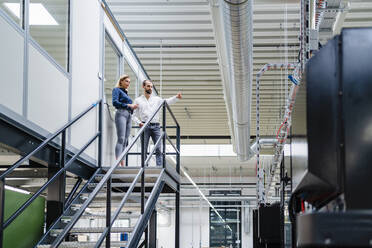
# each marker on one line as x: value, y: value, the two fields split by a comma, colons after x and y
x: 123, y: 115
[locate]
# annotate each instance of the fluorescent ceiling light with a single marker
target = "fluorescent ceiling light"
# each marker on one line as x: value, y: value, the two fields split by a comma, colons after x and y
x: 208, y: 150
x: 14, y: 8
x: 204, y: 197
x: 39, y: 15
x: 199, y: 191
x: 17, y: 190
x: 203, y: 150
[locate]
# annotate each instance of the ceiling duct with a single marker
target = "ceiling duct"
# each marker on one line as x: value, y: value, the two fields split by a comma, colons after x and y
x: 235, y: 46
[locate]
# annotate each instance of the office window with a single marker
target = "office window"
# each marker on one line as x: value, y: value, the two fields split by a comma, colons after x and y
x: 111, y: 70
x: 225, y: 227
x: 14, y: 8
x: 48, y: 20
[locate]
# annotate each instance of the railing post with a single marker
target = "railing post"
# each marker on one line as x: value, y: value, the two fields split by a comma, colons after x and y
x: 62, y: 152
x: 108, y: 213
x: 153, y: 227
x: 100, y: 129
x: 164, y: 131
x: 127, y: 156
x: 2, y: 206
x: 177, y: 217
x: 143, y: 159
x: 73, y: 191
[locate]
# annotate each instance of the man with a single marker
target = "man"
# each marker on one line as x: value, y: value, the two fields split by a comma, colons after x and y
x: 147, y: 105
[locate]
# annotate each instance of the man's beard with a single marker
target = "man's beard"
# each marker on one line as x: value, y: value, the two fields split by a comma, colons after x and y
x: 149, y: 91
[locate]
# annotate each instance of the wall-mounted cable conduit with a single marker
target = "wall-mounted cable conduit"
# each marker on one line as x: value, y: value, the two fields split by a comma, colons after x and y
x: 283, y: 131
x: 261, y: 193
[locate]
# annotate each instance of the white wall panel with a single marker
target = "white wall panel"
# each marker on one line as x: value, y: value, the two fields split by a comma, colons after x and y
x: 247, y: 233
x: 11, y: 67
x: 47, y: 93
x: 165, y: 233
x: 85, y: 69
x: 194, y: 228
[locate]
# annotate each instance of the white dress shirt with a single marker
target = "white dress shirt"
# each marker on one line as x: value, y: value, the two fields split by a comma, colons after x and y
x: 146, y: 108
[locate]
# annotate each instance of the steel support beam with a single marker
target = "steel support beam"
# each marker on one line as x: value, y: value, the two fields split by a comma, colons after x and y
x: 108, y: 213
x: 143, y: 159
x: 177, y: 213
x: 25, y: 140
x: 153, y: 227
x: 2, y: 210
x: 57, y: 189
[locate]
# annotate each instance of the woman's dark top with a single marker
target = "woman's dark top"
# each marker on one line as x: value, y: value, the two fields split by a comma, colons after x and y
x: 120, y: 99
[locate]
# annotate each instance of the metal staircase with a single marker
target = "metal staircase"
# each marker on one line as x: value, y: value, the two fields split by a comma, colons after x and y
x: 118, y: 199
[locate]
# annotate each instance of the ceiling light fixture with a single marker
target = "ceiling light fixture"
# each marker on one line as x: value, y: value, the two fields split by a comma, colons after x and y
x: 39, y: 15
x: 17, y: 190
x: 204, y: 197
x: 201, y: 193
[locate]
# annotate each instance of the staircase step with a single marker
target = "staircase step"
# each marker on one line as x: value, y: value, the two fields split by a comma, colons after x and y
x: 134, y: 170
x: 114, y: 204
x: 119, y: 185
x: 55, y: 232
x: 67, y: 219
x: 115, y: 197
x: 85, y: 244
x: 84, y: 196
x: 124, y: 176
x: 103, y: 216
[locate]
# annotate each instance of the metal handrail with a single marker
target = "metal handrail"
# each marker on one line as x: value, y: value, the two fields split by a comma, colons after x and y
x: 171, y: 113
x: 170, y: 142
x: 154, y: 148
x: 150, y: 204
x: 55, y: 176
x: 109, y: 111
x: 74, y: 198
x: 45, y: 142
x: 73, y: 191
x: 3, y: 176
x: 121, y: 205
x: 99, y: 186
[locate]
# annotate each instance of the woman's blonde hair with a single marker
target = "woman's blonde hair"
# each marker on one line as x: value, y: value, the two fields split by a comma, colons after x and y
x: 122, y: 77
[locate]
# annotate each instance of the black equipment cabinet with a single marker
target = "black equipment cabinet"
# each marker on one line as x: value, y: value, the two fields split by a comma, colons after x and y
x: 267, y: 226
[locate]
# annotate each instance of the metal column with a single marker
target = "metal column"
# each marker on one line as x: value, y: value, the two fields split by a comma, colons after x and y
x: 100, y: 129
x: 164, y: 130
x: 143, y: 159
x: 153, y: 227
x: 108, y: 213
x: 177, y: 227
x: 2, y: 205
x: 56, y: 190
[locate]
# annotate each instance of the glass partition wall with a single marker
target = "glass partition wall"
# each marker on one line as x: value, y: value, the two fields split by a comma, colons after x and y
x: 14, y: 9
x: 48, y: 23
x: 48, y: 20
x: 113, y: 72
x: 112, y: 66
x: 225, y: 226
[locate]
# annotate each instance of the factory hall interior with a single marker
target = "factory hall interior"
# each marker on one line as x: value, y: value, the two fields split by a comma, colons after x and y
x: 185, y: 123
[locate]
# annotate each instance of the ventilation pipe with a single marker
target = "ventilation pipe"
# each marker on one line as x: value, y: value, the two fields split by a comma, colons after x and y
x: 235, y: 48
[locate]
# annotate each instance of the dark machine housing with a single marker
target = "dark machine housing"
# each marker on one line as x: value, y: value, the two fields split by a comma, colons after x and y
x: 268, y: 226
x: 339, y: 121
x: 339, y: 139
